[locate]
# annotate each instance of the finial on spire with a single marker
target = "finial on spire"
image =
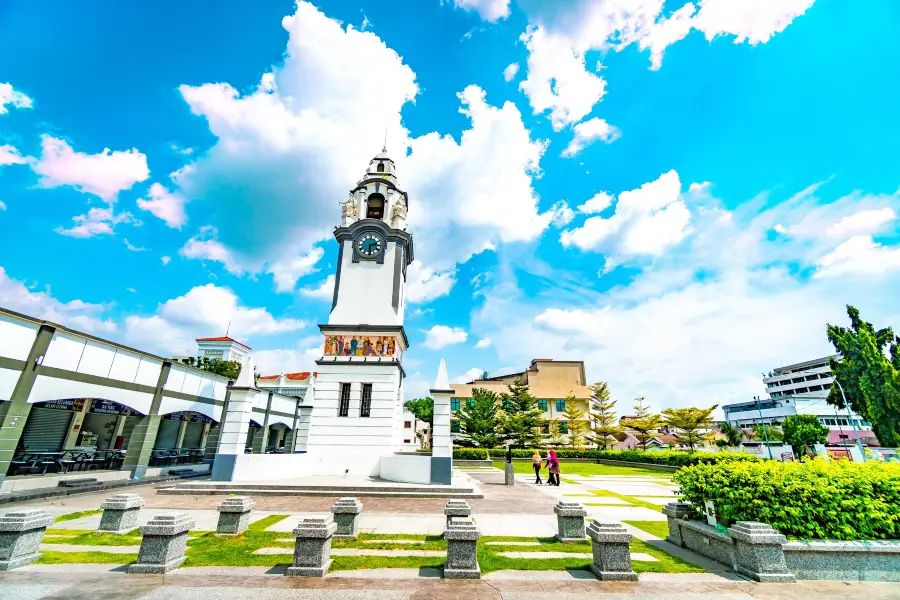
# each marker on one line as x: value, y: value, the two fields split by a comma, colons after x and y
x: 384, y: 148
x: 442, y: 382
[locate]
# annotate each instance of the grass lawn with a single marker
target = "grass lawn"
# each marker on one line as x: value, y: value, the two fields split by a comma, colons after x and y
x: 76, y: 515
x: 630, y: 499
x: 658, y: 528
x: 573, y: 468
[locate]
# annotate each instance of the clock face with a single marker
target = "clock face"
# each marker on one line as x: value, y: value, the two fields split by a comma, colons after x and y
x: 369, y: 245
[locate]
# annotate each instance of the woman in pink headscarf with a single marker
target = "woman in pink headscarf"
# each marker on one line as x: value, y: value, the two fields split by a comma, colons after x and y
x: 553, y: 467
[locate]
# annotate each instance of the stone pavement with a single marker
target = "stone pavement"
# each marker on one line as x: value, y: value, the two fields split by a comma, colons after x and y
x: 62, y: 584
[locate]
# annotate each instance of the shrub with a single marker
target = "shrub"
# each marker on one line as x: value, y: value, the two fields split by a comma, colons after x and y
x: 665, y: 457
x: 807, y: 500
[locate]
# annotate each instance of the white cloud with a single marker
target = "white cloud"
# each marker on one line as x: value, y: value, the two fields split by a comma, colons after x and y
x: 2, y: 205
x: 866, y: 221
x: 205, y: 246
x: 587, y: 132
x: 489, y: 10
x: 424, y: 285
x: 509, y: 73
x: 287, y: 271
x: 561, y: 214
x: 275, y: 362
x: 303, y: 137
x: 441, y: 336
x: 180, y: 150
x: 557, y: 79
x: 860, y: 255
x: 203, y: 311
x: 76, y: 314
x: 9, y: 155
x: 699, y: 187
x: 323, y: 291
x: 483, y: 343
x: 165, y: 205
x: 562, y: 32
x: 597, y: 204
x: 165, y: 260
x: 9, y: 96
x: 132, y: 247
x: 470, y: 375
x: 103, y: 175
x: 646, y: 222
x: 97, y: 221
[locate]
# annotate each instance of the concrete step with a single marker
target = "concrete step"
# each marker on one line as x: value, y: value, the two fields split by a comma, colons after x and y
x: 225, y: 485
x: 361, y: 493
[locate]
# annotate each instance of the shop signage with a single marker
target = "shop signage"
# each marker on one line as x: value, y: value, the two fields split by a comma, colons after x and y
x: 72, y: 404
x: 187, y: 416
x: 107, y: 407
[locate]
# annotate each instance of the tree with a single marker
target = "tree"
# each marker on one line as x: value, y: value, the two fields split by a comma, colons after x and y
x: 574, y: 416
x: 226, y: 368
x: 734, y: 435
x: 644, y: 423
x: 871, y: 381
x: 761, y: 433
x: 423, y: 410
x: 802, y: 431
x: 691, y: 425
x: 556, y: 435
x: 603, y: 415
x: 520, y: 417
x: 479, y: 420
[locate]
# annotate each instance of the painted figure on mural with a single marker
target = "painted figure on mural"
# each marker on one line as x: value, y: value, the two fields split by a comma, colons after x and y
x: 360, y: 346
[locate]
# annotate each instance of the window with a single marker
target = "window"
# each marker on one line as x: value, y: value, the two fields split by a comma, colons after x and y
x: 365, y: 409
x: 344, y: 410
x: 470, y: 402
x: 542, y: 404
x: 407, y: 425
x: 830, y: 422
x: 406, y: 441
x: 560, y: 405
x: 454, y: 404
x: 564, y: 427
x: 380, y: 168
x: 454, y: 426
x: 375, y: 207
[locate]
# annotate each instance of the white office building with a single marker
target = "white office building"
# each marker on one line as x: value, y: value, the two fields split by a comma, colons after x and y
x: 801, y: 389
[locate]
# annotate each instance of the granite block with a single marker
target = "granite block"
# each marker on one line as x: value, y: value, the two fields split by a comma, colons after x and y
x: 758, y: 552
x: 163, y: 544
x: 120, y: 513
x: 456, y: 508
x: 21, y: 532
x: 347, y: 513
x: 509, y: 473
x: 569, y: 521
x: 234, y: 515
x: 462, y: 550
x: 675, y: 512
x: 312, y: 548
x: 610, y: 545
x: 844, y: 561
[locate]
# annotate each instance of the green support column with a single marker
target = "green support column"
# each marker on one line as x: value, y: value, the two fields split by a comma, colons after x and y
x: 14, y: 414
x: 262, y: 436
x: 143, y: 436
x: 290, y: 443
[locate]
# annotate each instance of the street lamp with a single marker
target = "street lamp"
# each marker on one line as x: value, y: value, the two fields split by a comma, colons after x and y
x: 850, y: 418
x: 763, y: 424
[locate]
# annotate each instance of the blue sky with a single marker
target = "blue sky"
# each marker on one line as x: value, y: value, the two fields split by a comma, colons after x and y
x: 682, y: 195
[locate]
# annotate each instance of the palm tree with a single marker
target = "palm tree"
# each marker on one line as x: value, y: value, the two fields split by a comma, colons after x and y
x: 734, y: 435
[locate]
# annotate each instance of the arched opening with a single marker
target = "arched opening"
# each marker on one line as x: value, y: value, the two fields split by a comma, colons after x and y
x: 181, y: 438
x: 375, y: 207
x: 380, y: 168
x: 278, y: 438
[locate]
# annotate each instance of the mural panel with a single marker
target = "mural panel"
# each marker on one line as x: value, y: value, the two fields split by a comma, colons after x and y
x: 358, y: 345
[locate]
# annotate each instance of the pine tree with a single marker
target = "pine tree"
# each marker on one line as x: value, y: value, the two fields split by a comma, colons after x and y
x: 574, y: 416
x: 644, y: 422
x: 603, y: 415
x: 520, y: 418
x: 479, y: 419
x: 691, y: 425
x: 556, y: 435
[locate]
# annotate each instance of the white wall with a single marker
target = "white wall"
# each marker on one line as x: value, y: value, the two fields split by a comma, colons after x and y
x: 171, y: 405
x: 406, y: 469
x: 52, y: 388
x: 16, y: 337
x: 8, y: 379
x: 261, y: 467
x: 366, y: 291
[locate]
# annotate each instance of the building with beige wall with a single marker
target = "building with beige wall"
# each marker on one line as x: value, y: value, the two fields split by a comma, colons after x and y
x: 550, y: 381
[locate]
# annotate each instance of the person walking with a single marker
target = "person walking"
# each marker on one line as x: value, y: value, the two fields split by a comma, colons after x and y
x: 536, y: 462
x: 553, y: 467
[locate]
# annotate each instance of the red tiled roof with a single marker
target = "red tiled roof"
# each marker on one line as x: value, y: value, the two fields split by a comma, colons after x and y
x: 836, y: 436
x: 300, y: 376
x: 269, y: 376
x: 222, y: 339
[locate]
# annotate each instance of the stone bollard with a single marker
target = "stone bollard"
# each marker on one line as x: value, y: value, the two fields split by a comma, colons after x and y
x: 569, y: 521
x: 312, y: 550
x: 759, y: 552
x: 610, y: 543
x: 509, y: 473
x: 462, y: 550
x: 347, y: 513
x: 163, y: 544
x: 120, y: 513
x: 456, y: 508
x: 234, y: 515
x: 675, y: 512
x: 21, y: 532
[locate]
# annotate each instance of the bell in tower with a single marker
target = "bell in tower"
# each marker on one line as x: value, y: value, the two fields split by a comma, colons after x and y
x: 377, y: 196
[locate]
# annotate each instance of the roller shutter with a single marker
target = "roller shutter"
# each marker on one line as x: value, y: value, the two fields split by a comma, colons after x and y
x: 192, y: 435
x: 46, y: 429
x: 168, y: 434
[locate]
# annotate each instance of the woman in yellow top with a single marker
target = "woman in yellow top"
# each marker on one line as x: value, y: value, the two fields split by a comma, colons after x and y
x: 536, y: 462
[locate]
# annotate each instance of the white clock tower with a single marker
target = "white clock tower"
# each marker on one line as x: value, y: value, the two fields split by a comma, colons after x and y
x: 358, y: 400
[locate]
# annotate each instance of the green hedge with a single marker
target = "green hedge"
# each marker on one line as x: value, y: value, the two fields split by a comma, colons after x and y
x: 661, y: 457
x: 807, y: 500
